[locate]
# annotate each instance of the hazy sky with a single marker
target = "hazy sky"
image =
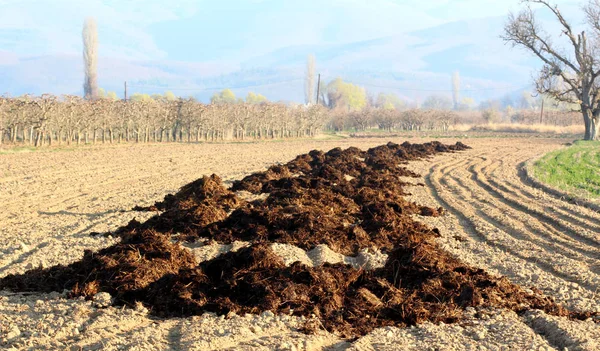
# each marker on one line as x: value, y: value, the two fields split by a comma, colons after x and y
x: 223, y: 29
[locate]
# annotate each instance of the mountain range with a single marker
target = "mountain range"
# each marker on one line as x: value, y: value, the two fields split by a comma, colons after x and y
x: 413, y: 65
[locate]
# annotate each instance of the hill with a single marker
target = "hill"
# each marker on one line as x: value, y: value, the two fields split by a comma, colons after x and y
x: 413, y: 65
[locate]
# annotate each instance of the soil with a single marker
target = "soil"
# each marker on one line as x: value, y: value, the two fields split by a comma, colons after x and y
x: 196, y: 205
x: 122, y: 270
x: 492, y: 219
x: 346, y: 199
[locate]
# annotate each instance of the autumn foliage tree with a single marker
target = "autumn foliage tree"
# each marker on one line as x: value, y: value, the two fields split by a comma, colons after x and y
x: 223, y: 97
x: 345, y: 95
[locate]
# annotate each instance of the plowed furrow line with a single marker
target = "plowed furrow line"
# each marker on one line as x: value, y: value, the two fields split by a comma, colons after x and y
x: 436, y: 193
x: 501, y: 258
x: 508, y: 240
x: 511, y: 233
x: 574, y: 216
x: 550, y: 206
x: 554, y: 229
x: 517, y: 216
x: 511, y: 264
x: 571, y: 232
x: 514, y: 225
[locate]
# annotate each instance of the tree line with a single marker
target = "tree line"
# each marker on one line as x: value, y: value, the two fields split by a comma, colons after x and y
x: 48, y: 119
x: 389, y: 120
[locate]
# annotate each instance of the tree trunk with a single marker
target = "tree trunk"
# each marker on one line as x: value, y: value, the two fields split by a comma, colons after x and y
x: 37, y: 139
x: 595, y: 125
x: 587, y: 121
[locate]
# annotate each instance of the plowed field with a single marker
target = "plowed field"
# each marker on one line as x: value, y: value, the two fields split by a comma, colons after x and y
x: 494, y: 219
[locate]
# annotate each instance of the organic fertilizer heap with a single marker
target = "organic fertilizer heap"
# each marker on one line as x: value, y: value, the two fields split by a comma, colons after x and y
x: 347, y: 199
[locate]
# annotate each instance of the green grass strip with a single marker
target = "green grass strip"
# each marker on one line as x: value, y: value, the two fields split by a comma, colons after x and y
x: 575, y: 169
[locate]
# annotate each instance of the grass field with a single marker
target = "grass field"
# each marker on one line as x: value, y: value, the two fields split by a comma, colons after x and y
x: 575, y: 169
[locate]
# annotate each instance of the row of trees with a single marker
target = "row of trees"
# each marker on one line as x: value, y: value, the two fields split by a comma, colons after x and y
x: 388, y: 119
x: 69, y: 119
x: 48, y: 119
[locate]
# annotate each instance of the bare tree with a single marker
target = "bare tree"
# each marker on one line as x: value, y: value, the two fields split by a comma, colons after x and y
x: 45, y: 105
x: 90, y: 58
x: 456, y: 89
x: 360, y: 120
x: 569, y: 78
x: 309, y: 80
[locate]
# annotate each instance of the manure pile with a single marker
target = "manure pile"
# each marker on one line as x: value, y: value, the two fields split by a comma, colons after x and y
x: 347, y: 199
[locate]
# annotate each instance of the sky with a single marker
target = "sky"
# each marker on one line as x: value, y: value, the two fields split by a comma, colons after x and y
x: 223, y: 30
x: 194, y: 45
